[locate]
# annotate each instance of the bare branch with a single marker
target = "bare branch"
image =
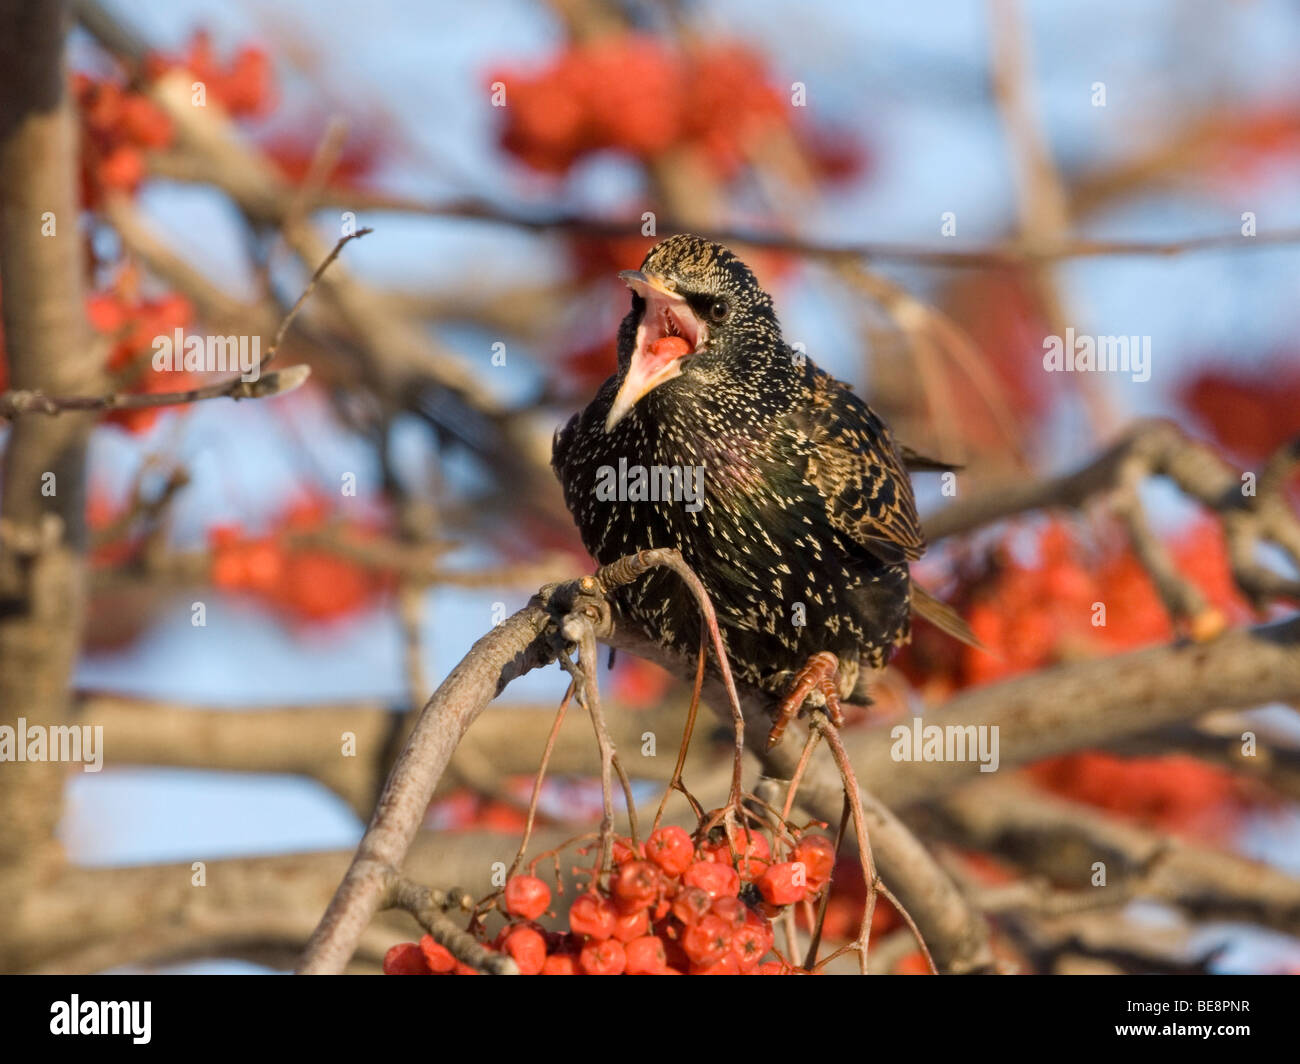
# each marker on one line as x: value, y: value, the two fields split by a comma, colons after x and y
x: 1090, y: 703
x: 1161, y: 448
x: 1063, y: 840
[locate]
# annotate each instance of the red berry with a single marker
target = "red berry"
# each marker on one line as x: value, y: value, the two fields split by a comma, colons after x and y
x: 691, y: 904
x: 636, y: 886
x: 783, y: 883
x: 913, y: 963
x: 624, y: 851
x: 646, y: 956
x: 603, y: 958
x: 527, y: 896
x: 263, y: 566
x: 719, y: 880
x: 748, y: 844
x: 593, y: 915
x: 732, y: 910
x: 560, y: 964
x: 818, y: 856
x: 527, y: 947
x: 106, y: 312
x: 707, y: 940
x: 632, y: 925
x: 121, y: 168
x: 753, y: 854
x: 750, y: 944
x: 670, y: 848
x: 405, y: 959
x: 437, y: 957
x: 728, y: 964
x: 143, y: 123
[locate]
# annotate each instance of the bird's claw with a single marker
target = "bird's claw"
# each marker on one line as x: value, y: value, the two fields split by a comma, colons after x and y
x: 820, y: 673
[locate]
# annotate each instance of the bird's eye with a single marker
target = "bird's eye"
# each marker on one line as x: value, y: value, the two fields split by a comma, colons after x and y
x: 719, y: 310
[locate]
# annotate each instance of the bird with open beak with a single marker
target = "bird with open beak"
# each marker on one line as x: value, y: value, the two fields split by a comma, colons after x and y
x: 667, y: 315
x: 808, y: 522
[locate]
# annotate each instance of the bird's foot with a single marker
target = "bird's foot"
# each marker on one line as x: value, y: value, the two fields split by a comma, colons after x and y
x: 820, y: 673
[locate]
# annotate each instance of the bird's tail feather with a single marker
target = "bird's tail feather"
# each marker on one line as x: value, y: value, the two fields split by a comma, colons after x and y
x: 943, y: 617
x: 915, y: 462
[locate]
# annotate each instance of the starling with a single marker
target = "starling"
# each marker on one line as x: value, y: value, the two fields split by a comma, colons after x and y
x: 782, y: 489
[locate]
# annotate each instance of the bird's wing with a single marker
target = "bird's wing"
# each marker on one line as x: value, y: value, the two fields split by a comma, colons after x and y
x: 854, y: 465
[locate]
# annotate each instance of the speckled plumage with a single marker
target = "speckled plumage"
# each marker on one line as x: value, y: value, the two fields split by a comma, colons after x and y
x: 806, y: 500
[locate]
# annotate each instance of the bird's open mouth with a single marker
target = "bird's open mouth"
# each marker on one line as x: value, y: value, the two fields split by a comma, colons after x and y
x: 669, y: 331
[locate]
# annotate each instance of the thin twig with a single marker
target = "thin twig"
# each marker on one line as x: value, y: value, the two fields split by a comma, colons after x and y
x: 288, y: 319
x: 531, y: 817
x: 683, y: 749
x: 822, y: 723
x: 429, y: 909
x: 630, y: 568
x: 907, y: 919
x: 265, y: 385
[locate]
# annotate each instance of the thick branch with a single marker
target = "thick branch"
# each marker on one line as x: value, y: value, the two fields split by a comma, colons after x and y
x: 513, y: 648
x: 46, y: 347
x: 1091, y: 703
x: 90, y: 919
x: 1062, y: 840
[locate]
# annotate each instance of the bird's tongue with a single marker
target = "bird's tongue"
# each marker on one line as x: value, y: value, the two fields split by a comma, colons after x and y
x: 665, y: 349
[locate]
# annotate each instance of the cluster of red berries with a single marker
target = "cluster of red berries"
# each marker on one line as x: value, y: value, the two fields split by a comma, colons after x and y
x: 305, y: 583
x: 1251, y: 410
x: 118, y: 125
x: 1043, y: 611
x: 668, y: 909
x: 1038, y: 612
x: 132, y: 322
x: 244, y: 85
x: 1175, y: 791
x: 631, y: 93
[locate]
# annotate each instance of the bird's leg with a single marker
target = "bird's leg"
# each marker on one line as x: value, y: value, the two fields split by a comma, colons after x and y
x: 819, y: 673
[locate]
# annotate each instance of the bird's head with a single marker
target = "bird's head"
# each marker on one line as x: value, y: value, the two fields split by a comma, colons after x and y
x: 697, y: 312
